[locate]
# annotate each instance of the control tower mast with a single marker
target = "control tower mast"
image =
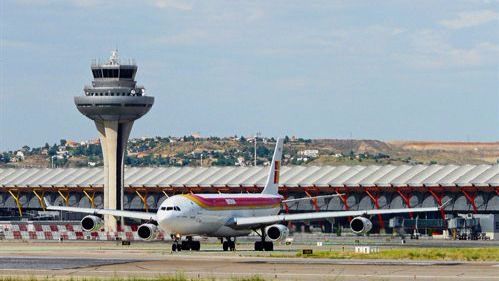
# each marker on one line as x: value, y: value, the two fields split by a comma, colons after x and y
x: 113, y: 102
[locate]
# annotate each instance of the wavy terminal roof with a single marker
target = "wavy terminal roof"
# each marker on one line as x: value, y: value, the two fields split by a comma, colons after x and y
x: 291, y: 176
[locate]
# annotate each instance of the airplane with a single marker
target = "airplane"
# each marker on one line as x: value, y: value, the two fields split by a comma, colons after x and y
x: 227, y: 216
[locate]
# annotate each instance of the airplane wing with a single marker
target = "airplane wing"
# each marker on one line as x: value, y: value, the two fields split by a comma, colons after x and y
x: 116, y: 213
x: 267, y: 220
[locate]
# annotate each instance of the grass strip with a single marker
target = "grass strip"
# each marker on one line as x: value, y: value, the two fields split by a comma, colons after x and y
x: 444, y: 254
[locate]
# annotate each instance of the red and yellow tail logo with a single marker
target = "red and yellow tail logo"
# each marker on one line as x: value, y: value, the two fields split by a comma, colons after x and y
x: 277, y: 166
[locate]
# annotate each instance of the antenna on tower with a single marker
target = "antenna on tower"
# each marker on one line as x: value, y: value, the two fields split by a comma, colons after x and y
x: 114, y: 59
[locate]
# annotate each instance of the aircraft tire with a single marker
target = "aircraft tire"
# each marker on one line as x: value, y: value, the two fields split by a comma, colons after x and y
x: 174, y: 247
x: 195, y: 245
x: 268, y: 246
x: 186, y: 245
x: 258, y: 246
x: 225, y: 246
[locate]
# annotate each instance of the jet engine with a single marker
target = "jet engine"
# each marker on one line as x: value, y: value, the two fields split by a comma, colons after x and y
x: 147, y: 231
x: 91, y: 223
x: 277, y: 232
x: 360, y: 225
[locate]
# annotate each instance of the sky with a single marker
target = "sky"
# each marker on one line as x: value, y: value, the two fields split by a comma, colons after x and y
x: 388, y: 70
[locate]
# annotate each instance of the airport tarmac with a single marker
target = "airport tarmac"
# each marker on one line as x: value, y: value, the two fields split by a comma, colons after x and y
x: 106, y: 259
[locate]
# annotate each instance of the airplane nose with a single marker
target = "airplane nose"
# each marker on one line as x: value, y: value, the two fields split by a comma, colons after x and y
x: 167, y: 216
x: 165, y: 220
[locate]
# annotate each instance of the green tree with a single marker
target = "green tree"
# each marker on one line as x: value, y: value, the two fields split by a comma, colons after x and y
x: 5, y: 157
x: 53, y: 150
x: 262, y: 151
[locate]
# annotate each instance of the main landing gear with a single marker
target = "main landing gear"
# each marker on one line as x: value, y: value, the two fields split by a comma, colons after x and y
x: 263, y: 245
x: 186, y: 245
x: 228, y: 244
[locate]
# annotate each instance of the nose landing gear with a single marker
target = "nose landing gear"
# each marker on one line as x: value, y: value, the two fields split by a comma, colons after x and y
x: 187, y: 245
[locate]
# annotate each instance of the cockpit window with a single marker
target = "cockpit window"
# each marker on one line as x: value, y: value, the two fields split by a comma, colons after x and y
x: 171, y: 208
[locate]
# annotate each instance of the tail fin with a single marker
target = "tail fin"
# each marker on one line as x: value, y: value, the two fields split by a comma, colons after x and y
x: 272, y: 184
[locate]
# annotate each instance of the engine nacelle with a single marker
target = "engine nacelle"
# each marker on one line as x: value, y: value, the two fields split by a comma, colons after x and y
x: 91, y: 223
x: 277, y: 232
x: 361, y: 225
x: 147, y: 231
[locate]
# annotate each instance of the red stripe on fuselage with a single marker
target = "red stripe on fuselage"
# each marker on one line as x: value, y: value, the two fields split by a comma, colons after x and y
x: 227, y: 202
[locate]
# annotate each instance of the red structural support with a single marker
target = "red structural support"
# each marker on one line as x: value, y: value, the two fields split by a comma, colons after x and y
x: 471, y: 199
x: 438, y: 198
x: 374, y: 197
x: 286, y: 207
x: 314, y: 201
x: 407, y: 201
x: 343, y: 198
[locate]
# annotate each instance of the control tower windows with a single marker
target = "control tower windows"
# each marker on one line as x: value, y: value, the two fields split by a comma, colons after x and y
x: 126, y: 73
x: 106, y: 73
x: 97, y: 73
x: 123, y: 73
x: 110, y: 73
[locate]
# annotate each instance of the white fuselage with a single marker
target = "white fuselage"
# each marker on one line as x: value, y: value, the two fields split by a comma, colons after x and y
x: 211, y: 214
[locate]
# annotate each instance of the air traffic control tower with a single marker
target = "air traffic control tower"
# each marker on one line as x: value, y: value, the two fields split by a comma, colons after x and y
x: 113, y: 102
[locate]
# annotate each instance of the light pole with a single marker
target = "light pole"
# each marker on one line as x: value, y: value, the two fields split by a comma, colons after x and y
x: 256, y: 136
x: 52, y: 161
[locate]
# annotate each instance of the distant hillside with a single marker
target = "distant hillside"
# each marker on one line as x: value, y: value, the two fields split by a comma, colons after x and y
x: 448, y: 152
x: 239, y: 151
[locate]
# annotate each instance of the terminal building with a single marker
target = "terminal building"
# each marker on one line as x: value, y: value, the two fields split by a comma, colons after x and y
x: 472, y: 189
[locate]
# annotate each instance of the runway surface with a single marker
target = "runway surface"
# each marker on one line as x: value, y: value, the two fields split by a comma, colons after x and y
x: 111, y: 260
x: 53, y: 263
